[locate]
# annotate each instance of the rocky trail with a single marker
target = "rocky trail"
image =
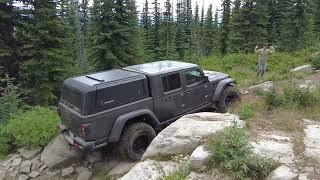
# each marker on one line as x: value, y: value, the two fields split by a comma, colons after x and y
x: 292, y: 140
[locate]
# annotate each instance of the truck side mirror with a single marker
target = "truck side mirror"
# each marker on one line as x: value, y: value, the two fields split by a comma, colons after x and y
x: 206, y: 79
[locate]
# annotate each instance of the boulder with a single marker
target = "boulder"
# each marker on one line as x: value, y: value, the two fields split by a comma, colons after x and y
x: 121, y: 168
x: 303, y: 69
x: 264, y: 87
x: 282, y: 173
x: 12, y: 175
x: 36, y: 164
x: 151, y: 170
x: 85, y: 174
x: 312, y: 139
x: 67, y: 171
x: 34, y: 174
x: 43, y: 167
x: 26, y: 167
x: 199, y: 158
x: 29, y: 153
x: 2, y: 174
x: 184, y: 135
x: 23, y: 177
x: 58, y: 153
x: 9, y: 161
x: 308, y: 85
x: 199, y: 176
x: 275, y: 149
x: 16, y: 161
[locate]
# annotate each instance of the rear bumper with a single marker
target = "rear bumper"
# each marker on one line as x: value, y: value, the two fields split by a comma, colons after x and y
x: 79, y: 142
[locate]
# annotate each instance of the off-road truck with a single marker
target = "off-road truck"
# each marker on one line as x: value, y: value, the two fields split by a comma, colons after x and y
x: 126, y: 106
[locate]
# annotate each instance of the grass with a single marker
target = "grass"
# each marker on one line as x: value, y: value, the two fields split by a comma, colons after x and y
x: 247, y: 112
x: 243, y: 67
x: 180, y: 174
x: 232, y: 151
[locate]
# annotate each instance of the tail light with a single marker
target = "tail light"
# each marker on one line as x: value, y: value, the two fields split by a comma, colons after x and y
x: 85, y: 129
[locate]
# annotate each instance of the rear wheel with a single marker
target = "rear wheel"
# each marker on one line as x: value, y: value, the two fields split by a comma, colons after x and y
x: 230, y: 96
x: 135, y: 140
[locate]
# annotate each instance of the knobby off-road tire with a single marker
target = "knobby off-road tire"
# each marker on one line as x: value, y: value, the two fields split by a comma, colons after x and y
x: 230, y: 96
x: 135, y: 140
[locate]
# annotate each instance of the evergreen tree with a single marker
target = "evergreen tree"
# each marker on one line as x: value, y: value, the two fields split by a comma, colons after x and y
x: 296, y: 24
x: 116, y: 34
x: 237, y: 29
x: 316, y: 19
x: 181, y: 46
x: 156, y: 30
x: 8, y: 42
x: 148, y: 38
x: 46, y: 65
x: 225, y: 26
x: 216, y: 30
x: 167, y: 33
x: 208, y: 33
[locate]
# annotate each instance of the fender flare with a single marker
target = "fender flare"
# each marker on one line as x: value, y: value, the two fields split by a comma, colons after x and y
x: 121, y: 121
x: 220, y: 87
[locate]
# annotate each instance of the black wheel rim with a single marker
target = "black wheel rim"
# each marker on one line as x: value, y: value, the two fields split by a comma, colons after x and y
x: 231, y: 98
x: 140, y: 144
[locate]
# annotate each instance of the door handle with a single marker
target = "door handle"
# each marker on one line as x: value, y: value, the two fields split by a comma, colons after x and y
x: 169, y: 99
x: 188, y: 92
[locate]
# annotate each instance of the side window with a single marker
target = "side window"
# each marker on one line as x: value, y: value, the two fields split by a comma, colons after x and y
x: 193, y: 76
x: 171, y: 82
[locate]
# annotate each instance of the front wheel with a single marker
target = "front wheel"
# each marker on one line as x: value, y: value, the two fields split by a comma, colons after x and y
x: 135, y: 140
x: 230, y: 96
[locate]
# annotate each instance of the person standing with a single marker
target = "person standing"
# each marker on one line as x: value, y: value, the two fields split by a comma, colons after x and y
x: 264, y: 53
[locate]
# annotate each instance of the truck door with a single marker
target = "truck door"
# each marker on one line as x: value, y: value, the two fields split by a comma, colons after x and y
x: 196, y: 90
x: 168, y: 105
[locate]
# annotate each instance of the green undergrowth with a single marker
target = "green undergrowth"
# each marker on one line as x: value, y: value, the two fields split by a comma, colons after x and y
x: 232, y: 151
x: 247, y: 112
x: 30, y: 128
x: 243, y: 67
x: 292, y: 98
x: 180, y: 174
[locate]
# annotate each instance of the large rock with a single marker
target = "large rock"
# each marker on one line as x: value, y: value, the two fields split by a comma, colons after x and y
x: 264, y: 87
x: 151, y: 170
x: 185, y: 134
x: 29, y: 153
x: 67, y: 171
x: 121, y: 168
x: 85, y: 174
x: 17, y: 161
x: 279, y: 148
x: 8, y: 162
x: 26, y: 167
x: 282, y: 173
x: 199, y: 176
x: 2, y: 174
x: 312, y: 139
x: 303, y: 69
x: 199, y: 158
x: 58, y: 153
x: 307, y: 85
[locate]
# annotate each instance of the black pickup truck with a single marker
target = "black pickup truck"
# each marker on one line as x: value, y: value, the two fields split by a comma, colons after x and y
x: 126, y: 106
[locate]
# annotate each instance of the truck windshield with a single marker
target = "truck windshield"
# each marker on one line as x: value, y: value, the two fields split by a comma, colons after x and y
x: 72, y: 98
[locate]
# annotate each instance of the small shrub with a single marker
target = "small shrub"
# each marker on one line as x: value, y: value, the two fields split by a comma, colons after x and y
x: 291, y: 98
x: 6, y: 141
x: 9, y: 98
x: 247, y: 111
x: 232, y: 151
x: 35, y: 127
x: 180, y: 174
x: 315, y: 60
